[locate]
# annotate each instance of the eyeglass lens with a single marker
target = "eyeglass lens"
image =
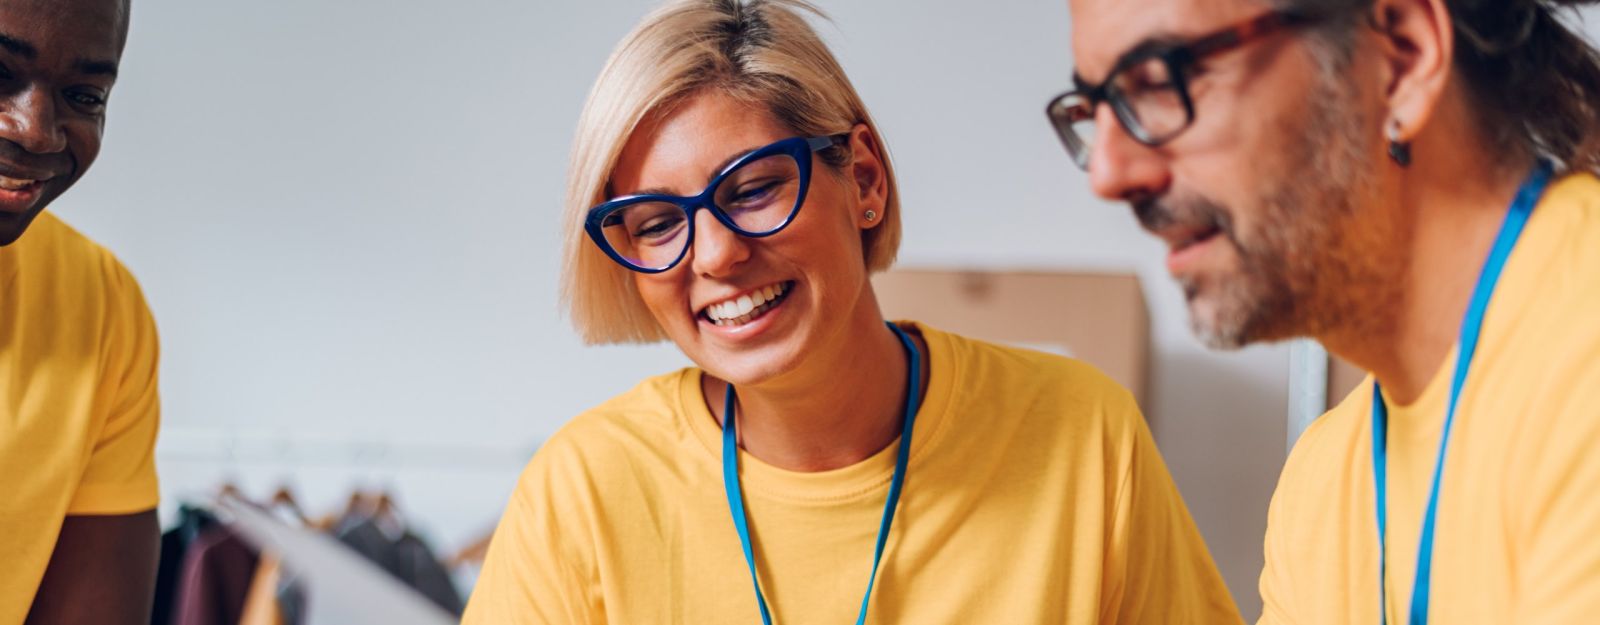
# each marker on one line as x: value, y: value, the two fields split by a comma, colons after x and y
x: 1147, y: 98
x: 759, y: 198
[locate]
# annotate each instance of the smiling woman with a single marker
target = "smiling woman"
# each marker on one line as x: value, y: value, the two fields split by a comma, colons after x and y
x: 729, y: 192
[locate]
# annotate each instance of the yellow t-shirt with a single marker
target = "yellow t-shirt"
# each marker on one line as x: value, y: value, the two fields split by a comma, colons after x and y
x: 78, y: 408
x: 1034, y: 494
x: 1518, y: 531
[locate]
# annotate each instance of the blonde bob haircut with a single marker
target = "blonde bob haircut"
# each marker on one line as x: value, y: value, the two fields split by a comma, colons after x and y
x: 759, y: 51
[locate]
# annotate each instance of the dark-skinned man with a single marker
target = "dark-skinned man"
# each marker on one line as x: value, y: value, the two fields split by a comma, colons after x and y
x: 78, y: 404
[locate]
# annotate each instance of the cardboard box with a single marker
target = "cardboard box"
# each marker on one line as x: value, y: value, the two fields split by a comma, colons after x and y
x: 1099, y: 318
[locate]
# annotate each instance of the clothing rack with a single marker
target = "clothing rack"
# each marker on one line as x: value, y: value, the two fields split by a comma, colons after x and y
x: 321, y: 574
x: 233, y: 447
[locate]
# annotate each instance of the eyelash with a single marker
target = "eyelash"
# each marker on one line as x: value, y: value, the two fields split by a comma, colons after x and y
x: 93, y: 101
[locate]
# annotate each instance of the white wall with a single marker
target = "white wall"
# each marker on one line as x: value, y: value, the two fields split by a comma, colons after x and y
x: 344, y: 217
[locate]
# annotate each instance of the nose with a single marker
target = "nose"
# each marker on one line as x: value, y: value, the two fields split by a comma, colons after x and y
x: 1121, y: 168
x: 29, y: 120
x: 717, y: 251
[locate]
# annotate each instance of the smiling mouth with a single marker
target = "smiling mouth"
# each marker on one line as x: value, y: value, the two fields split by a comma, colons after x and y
x: 1190, y: 239
x: 17, y: 184
x: 748, y: 307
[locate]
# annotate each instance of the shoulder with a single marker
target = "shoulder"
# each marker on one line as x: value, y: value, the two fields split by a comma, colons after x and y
x: 52, y: 247
x: 1024, y: 399
x: 56, y: 254
x: 1323, y: 456
x: 1582, y: 188
x: 1564, y: 234
x: 1546, y: 308
x: 643, y: 425
x: 1031, y: 378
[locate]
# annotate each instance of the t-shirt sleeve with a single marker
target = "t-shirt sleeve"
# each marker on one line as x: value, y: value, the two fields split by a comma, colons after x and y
x: 1559, y: 576
x: 121, y: 475
x: 1273, y: 586
x: 1158, y: 570
x: 538, y: 569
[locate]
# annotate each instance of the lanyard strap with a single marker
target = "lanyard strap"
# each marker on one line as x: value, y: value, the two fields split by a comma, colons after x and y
x: 1471, y: 327
x: 730, y: 476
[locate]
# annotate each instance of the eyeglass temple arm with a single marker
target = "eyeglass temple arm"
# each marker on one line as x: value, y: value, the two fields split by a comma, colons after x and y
x: 1243, y: 33
x: 824, y: 142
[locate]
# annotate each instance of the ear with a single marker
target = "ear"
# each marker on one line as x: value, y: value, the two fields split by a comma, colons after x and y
x: 869, y: 177
x: 1417, y: 42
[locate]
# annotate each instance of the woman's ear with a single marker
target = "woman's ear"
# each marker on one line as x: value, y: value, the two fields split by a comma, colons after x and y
x: 866, y: 173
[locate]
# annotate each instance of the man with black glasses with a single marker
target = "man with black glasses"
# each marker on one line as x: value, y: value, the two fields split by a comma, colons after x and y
x: 78, y: 406
x: 1412, y: 183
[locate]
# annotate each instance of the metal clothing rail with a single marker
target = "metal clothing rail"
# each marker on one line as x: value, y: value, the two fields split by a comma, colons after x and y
x: 235, y: 447
x: 1308, y: 386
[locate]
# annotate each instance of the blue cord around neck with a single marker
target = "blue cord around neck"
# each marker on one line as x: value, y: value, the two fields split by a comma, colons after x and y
x: 1471, y: 328
x: 730, y: 476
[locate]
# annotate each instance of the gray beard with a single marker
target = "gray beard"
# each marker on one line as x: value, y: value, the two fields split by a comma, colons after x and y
x: 1307, y: 265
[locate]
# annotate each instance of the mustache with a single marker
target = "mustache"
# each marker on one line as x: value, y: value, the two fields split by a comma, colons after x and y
x: 1198, y: 212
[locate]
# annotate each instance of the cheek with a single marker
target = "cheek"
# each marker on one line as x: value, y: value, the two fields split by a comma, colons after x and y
x: 665, y: 298
x: 830, y: 218
x: 83, y: 140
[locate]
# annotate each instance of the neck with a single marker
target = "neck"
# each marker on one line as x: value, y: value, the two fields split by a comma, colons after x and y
x: 846, y: 405
x: 1451, y: 213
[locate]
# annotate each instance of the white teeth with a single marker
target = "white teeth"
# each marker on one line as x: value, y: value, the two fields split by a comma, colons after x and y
x: 15, y: 184
x: 738, y: 310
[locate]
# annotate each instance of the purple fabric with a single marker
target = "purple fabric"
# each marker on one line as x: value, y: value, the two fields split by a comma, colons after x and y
x: 215, y: 579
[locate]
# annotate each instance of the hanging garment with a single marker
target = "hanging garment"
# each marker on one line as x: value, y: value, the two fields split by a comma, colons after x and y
x: 174, y: 545
x: 261, y: 602
x: 408, y: 558
x: 217, y: 571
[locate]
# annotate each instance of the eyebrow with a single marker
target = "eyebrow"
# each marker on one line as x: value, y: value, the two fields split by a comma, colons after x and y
x: 18, y: 47
x: 95, y: 68
x: 712, y: 176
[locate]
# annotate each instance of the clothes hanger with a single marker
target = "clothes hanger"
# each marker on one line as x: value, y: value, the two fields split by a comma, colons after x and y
x: 387, y: 515
x: 471, y: 555
x: 283, y: 501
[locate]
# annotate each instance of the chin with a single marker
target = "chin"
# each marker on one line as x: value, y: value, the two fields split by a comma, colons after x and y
x: 13, y: 225
x: 1240, y: 313
x: 1221, y: 312
x: 741, y: 371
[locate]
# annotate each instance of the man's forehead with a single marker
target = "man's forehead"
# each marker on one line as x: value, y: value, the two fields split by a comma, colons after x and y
x: 78, y: 27
x: 1103, y: 30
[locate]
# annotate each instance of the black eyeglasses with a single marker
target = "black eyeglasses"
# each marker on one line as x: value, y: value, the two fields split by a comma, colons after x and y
x: 756, y: 196
x: 1148, y: 87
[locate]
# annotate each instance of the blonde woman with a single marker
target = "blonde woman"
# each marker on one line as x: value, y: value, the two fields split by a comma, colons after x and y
x: 730, y: 193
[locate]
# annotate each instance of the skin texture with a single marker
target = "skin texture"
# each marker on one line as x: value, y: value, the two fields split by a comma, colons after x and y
x: 1320, y: 233
x: 103, y: 572
x: 58, y: 62
x: 827, y: 334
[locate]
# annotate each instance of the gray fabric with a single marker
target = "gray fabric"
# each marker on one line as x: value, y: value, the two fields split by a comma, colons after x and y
x: 408, y: 558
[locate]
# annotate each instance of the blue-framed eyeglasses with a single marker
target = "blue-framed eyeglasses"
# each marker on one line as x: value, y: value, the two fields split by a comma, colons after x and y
x: 756, y: 196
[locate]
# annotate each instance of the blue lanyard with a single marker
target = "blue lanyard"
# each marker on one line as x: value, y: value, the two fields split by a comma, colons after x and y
x: 730, y: 476
x: 1527, y: 196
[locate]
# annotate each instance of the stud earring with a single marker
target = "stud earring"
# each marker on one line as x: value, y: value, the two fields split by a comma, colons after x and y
x: 1399, y: 150
x: 872, y: 215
